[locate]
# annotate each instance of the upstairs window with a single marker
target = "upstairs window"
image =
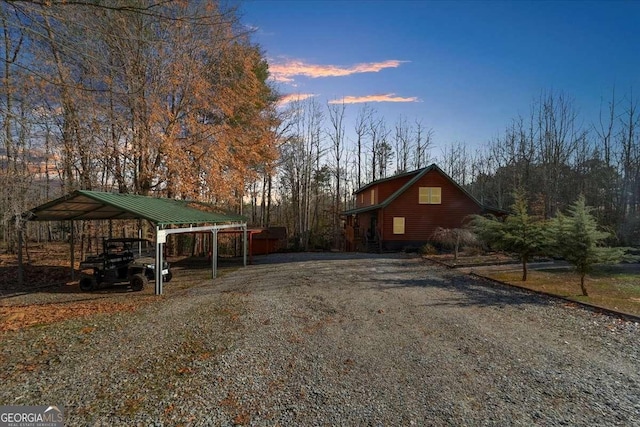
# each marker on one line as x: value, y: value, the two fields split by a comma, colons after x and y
x: 430, y: 195
x: 373, y: 197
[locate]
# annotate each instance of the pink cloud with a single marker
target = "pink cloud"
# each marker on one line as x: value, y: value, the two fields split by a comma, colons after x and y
x: 292, y: 97
x: 284, y: 72
x: 387, y: 97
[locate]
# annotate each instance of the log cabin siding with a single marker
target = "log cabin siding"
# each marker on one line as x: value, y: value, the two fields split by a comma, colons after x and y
x: 421, y: 220
x: 386, y: 189
x: 399, y: 197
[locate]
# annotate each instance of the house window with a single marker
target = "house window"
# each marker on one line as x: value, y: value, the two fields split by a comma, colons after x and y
x: 362, y: 198
x: 430, y: 195
x: 398, y: 225
x: 373, y: 197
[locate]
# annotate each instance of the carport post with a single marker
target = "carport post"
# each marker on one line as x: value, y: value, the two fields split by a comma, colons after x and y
x: 214, y: 253
x: 73, y: 252
x: 244, y: 243
x: 160, y: 238
x: 20, y: 263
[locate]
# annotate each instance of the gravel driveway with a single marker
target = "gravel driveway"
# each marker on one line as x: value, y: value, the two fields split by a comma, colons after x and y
x: 333, y: 339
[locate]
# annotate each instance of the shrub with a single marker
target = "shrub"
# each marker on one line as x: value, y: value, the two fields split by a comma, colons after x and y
x: 428, y: 249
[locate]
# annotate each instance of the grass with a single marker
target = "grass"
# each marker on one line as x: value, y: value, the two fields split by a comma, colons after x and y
x: 467, y: 259
x: 608, y: 288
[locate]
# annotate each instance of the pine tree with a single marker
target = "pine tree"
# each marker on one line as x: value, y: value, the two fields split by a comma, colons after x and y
x: 577, y: 239
x: 519, y: 233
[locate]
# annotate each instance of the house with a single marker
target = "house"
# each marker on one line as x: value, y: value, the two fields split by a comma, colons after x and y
x: 404, y: 210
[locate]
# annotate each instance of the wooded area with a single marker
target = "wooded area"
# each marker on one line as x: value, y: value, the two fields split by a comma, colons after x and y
x: 173, y: 99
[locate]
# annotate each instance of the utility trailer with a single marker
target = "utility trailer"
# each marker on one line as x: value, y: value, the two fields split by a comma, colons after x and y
x: 128, y: 261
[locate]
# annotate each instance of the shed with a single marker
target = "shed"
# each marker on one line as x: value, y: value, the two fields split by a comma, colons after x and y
x: 169, y: 216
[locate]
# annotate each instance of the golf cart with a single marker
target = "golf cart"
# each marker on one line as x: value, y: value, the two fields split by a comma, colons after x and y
x: 128, y: 261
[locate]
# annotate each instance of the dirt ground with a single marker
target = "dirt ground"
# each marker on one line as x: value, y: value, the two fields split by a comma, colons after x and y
x: 327, y: 339
x: 49, y: 295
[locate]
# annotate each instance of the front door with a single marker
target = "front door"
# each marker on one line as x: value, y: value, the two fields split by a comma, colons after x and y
x: 373, y: 226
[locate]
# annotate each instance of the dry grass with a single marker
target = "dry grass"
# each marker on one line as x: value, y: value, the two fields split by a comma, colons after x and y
x: 466, y: 259
x: 607, y: 288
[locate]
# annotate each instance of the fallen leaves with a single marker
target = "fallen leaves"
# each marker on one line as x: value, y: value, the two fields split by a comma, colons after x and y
x: 13, y: 318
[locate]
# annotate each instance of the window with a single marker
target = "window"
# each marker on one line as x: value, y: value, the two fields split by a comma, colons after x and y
x: 398, y: 225
x: 373, y: 197
x: 430, y: 195
x: 362, y: 198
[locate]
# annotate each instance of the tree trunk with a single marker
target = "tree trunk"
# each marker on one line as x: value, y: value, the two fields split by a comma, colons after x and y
x: 582, y: 286
x: 456, y: 248
x: 524, y: 269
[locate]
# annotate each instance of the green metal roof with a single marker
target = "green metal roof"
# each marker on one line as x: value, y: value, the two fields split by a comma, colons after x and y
x: 92, y: 205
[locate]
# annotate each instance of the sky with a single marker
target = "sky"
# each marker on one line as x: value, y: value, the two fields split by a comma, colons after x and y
x: 463, y: 68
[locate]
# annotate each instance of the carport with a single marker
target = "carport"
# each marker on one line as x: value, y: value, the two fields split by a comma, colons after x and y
x: 168, y: 216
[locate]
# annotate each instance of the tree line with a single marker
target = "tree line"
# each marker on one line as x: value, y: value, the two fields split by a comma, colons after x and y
x: 552, y: 154
x: 173, y: 99
x: 154, y: 98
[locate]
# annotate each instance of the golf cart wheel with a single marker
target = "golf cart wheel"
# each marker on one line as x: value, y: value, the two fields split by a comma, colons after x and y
x: 138, y: 282
x: 167, y: 277
x: 87, y: 284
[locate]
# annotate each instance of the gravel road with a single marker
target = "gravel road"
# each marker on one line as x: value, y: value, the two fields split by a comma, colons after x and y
x: 333, y: 339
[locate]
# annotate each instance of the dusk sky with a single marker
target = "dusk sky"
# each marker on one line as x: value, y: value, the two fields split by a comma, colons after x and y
x: 464, y: 68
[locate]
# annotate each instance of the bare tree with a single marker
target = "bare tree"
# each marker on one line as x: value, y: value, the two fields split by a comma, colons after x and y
x: 558, y: 135
x: 300, y: 160
x: 629, y: 160
x: 456, y: 162
x: 402, y: 145
x: 361, y: 128
x: 337, y: 136
x: 423, y: 142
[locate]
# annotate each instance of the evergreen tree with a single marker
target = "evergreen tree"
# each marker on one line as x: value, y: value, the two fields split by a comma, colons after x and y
x: 577, y: 239
x: 519, y: 233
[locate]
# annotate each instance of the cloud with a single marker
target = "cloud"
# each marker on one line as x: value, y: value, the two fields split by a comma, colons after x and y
x: 291, y: 97
x: 386, y: 97
x: 284, y: 72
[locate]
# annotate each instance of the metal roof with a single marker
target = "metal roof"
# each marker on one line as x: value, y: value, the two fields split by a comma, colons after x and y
x: 91, y: 205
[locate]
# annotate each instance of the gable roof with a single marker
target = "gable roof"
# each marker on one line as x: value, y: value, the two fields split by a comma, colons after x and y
x: 419, y: 173
x: 91, y: 205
